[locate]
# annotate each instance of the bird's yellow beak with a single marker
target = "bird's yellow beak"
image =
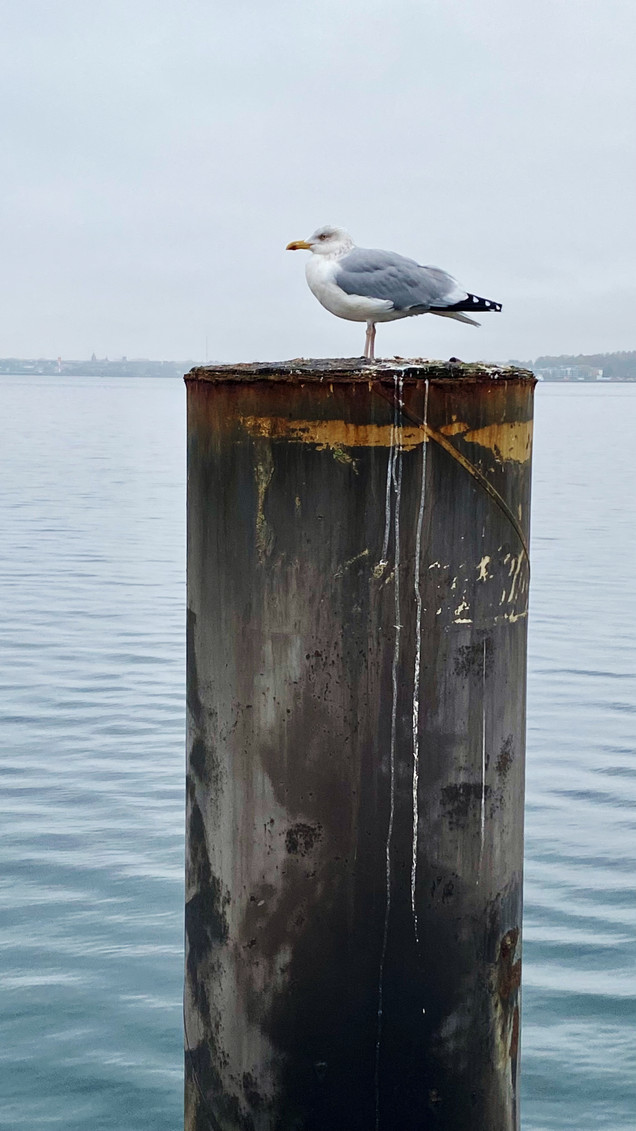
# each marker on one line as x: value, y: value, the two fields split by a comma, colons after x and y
x: 298, y: 245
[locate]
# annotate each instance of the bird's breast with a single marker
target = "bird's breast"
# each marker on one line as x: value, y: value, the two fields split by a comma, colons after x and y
x: 321, y: 276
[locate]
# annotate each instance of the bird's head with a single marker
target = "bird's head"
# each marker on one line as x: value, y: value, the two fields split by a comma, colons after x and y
x: 329, y: 241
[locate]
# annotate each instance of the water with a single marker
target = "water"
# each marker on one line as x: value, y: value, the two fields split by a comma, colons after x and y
x: 92, y: 674
x: 92, y: 491
x: 579, y: 1060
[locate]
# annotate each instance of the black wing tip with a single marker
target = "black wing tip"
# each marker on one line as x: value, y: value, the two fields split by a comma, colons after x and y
x: 473, y: 302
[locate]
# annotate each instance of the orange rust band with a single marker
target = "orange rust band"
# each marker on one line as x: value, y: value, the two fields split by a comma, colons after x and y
x: 334, y: 433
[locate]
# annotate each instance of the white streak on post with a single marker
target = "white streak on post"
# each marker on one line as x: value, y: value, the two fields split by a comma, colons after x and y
x: 416, y: 675
x: 483, y: 757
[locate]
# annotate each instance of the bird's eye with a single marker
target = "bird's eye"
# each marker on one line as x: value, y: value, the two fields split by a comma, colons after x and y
x: 322, y: 236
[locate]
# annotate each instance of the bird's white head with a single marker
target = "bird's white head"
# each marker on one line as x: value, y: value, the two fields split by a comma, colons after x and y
x: 329, y: 241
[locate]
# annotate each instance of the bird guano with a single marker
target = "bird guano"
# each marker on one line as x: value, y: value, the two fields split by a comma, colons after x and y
x: 366, y: 285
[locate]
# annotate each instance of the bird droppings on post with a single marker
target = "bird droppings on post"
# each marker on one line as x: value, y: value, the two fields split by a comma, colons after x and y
x: 356, y: 745
x: 359, y: 369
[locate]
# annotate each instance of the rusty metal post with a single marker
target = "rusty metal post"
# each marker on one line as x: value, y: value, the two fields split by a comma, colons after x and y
x: 357, y: 603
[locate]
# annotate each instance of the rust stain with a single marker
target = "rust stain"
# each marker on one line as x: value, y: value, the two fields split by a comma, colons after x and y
x: 508, y: 441
x: 344, y: 457
x: 263, y: 471
x: 505, y: 983
x: 509, y: 972
x: 514, y: 1037
x: 334, y: 434
x: 452, y: 429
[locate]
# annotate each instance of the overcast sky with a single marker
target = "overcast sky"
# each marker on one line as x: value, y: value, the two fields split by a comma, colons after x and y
x: 159, y: 154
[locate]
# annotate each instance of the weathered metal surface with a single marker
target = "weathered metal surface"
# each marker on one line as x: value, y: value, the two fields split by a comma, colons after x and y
x: 357, y: 610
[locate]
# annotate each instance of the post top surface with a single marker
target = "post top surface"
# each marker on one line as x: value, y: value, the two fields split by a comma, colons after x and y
x: 301, y: 370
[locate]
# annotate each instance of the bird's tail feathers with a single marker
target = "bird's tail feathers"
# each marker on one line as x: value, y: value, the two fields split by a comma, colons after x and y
x: 457, y: 316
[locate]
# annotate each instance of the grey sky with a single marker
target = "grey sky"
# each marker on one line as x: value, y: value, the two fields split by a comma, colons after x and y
x: 158, y: 155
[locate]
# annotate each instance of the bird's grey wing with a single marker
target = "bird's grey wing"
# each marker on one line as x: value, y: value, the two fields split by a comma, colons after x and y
x: 402, y: 281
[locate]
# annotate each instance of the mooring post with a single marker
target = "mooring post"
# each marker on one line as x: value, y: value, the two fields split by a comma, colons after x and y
x: 357, y: 611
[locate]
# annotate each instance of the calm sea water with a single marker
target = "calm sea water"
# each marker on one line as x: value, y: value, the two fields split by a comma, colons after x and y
x: 92, y: 489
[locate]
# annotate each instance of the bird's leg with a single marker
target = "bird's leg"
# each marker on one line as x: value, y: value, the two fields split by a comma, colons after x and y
x: 369, y: 341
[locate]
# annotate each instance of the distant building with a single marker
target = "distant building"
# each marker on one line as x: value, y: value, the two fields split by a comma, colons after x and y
x: 569, y: 373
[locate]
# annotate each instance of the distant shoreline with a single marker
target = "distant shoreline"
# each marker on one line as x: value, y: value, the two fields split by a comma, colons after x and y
x: 96, y: 367
x: 583, y: 380
x: 617, y: 368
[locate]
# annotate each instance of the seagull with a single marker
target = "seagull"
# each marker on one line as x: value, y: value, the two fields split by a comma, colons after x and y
x: 366, y: 285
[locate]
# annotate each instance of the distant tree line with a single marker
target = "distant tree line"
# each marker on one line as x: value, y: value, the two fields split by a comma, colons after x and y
x: 617, y: 365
